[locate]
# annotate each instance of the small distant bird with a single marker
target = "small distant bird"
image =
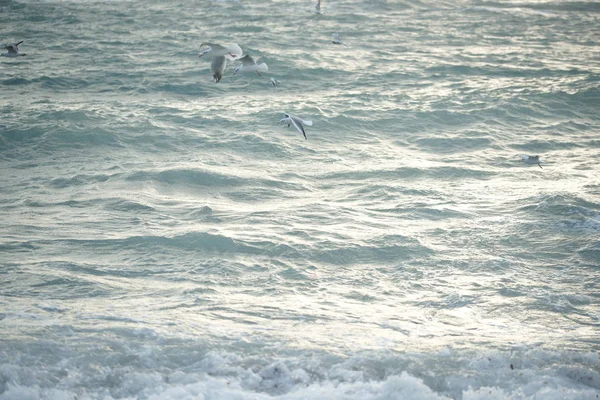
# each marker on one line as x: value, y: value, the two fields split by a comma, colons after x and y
x: 317, y: 7
x: 13, y: 50
x: 220, y: 56
x: 335, y: 39
x: 274, y: 81
x: 249, y: 65
x: 297, y: 122
x: 531, y: 160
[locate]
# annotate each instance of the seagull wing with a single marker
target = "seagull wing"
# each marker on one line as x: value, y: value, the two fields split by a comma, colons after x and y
x: 213, y: 46
x: 13, y: 48
x: 247, y: 60
x: 235, y: 51
x: 297, y: 122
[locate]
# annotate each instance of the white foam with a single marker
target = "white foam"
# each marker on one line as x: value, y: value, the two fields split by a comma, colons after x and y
x: 448, y: 374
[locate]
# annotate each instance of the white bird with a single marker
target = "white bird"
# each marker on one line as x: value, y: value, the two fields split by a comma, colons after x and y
x: 249, y: 65
x: 274, y: 81
x: 531, y: 160
x: 335, y: 39
x: 220, y: 55
x: 297, y: 122
x: 13, y: 50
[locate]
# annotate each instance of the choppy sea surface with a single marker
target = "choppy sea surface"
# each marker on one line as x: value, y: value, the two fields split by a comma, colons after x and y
x: 164, y: 237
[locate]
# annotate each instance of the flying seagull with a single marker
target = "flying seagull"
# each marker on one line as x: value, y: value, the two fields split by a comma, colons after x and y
x: 220, y: 56
x: 249, y: 65
x: 297, y: 122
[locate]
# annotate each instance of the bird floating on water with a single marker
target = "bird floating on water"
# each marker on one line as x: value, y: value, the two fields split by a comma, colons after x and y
x: 13, y: 50
x: 335, y: 39
x: 297, y: 122
x: 531, y: 160
x: 249, y: 65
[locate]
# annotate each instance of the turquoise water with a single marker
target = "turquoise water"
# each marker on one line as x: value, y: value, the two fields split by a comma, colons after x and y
x: 164, y: 237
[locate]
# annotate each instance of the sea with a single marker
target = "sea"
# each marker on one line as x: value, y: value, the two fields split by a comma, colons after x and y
x: 166, y: 237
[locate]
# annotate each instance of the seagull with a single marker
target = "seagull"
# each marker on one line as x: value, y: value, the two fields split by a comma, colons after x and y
x: 335, y: 39
x: 317, y: 7
x: 274, y: 81
x: 297, y: 122
x: 531, y: 160
x: 220, y: 55
x: 249, y: 65
x: 13, y: 50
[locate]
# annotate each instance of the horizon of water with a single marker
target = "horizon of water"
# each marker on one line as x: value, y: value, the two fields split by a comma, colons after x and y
x: 165, y: 237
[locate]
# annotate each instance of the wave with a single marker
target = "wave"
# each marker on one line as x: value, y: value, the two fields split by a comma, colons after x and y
x: 499, y: 71
x: 47, y: 82
x: 382, y: 175
x: 448, y: 374
x: 206, y: 178
x: 388, y: 248
x: 575, y: 6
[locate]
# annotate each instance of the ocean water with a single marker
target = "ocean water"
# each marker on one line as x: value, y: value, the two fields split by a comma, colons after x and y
x: 164, y: 237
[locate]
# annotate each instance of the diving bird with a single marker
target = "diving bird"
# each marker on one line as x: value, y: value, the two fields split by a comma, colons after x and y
x: 13, y: 50
x: 297, y: 122
x: 249, y: 65
x: 531, y: 160
x: 220, y: 55
x: 335, y: 39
